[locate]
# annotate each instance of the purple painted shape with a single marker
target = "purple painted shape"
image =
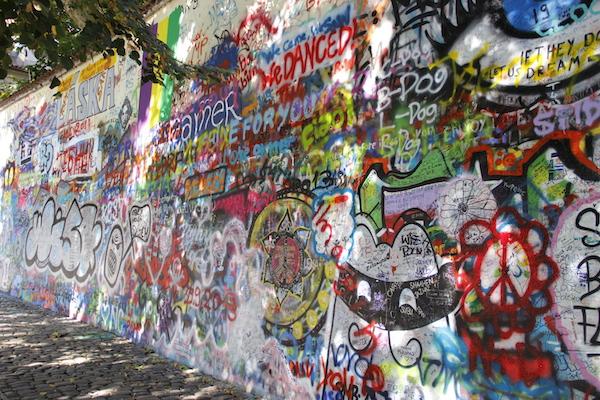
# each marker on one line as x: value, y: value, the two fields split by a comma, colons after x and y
x: 145, y: 90
x: 422, y: 197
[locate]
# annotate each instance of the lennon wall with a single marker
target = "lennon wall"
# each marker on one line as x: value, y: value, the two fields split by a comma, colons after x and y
x: 391, y: 199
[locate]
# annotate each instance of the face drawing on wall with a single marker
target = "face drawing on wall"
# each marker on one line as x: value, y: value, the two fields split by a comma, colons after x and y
x: 125, y: 114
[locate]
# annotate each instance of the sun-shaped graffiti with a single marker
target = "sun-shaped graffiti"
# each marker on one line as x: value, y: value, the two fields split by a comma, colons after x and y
x: 287, y: 263
x: 465, y: 199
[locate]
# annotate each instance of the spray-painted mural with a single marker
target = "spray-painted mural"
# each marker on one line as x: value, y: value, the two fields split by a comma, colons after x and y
x: 385, y: 199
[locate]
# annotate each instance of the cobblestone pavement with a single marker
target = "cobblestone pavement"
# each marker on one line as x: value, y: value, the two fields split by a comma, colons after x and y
x: 46, y: 356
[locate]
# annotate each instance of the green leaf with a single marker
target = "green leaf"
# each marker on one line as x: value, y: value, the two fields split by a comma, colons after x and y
x: 68, y: 63
x: 118, y: 43
x: 135, y: 55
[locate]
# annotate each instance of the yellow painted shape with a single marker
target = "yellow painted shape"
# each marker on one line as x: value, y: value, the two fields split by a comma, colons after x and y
x: 156, y: 97
x: 97, y: 67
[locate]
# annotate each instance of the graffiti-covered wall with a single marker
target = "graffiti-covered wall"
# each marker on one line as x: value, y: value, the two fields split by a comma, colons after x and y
x: 385, y: 199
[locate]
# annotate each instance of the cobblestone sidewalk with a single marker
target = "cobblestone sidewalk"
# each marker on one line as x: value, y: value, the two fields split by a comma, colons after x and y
x: 45, y: 356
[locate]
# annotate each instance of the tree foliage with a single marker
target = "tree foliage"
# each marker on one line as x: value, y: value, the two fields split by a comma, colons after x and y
x: 63, y: 32
x: 8, y: 88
